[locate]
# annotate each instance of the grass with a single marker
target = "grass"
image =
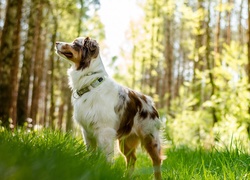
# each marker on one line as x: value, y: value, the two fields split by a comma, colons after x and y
x: 53, y: 155
x: 200, y: 164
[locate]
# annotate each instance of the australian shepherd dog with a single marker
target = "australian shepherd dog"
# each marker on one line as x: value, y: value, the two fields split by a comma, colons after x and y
x: 106, y: 110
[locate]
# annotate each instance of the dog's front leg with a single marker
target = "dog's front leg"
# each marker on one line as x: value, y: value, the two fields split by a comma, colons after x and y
x: 105, y: 141
x: 90, y: 142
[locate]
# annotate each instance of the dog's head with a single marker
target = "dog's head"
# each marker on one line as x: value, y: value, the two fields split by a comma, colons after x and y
x: 80, y: 52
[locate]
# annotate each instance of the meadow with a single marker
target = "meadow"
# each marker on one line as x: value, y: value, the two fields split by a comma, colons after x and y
x: 55, y: 155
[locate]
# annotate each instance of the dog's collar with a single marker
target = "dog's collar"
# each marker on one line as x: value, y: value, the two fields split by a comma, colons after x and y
x: 90, y: 73
x: 93, y: 84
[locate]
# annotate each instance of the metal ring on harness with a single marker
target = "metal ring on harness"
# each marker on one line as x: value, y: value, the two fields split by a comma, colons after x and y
x: 75, y: 95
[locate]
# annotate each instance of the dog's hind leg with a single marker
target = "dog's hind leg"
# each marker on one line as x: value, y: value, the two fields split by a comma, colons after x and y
x: 128, y: 147
x: 152, y: 145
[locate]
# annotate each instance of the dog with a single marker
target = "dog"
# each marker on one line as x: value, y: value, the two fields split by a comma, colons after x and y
x: 106, y: 110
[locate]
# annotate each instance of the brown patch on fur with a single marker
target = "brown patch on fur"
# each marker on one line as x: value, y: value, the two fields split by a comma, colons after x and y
x: 154, y: 114
x: 134, y: 101
x: 144, y: 114
x: 90, y: 49
x: 144, y: 98
x: 131, y: 108
x: 129, y: 104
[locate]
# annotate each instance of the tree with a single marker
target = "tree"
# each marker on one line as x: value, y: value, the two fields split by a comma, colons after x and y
x: 248, y: 65
x: 228, y: 21
x: 210, y: 63
x: 169, y: 62
x: 28, y: 55
x: 9, y: 60
x: 15, y: 67
x: 240, y: 24
x: 217, y: 33
x: 38, y: 62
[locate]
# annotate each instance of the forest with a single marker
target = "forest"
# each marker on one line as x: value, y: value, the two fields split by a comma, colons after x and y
x: 191, y: 57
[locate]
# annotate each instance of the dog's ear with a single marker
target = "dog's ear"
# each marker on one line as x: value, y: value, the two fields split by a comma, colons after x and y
x: 92, y: 46
x: 90, y: 49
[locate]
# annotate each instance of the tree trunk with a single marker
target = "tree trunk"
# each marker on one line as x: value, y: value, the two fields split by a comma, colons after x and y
x: 143, y: 72
x: 134, y: 67
x: 44, y: 120
x: 52, y: 64
x: 216, y: 58
x: 81, y: 13
x: 152, y: 48
x: 217, y: 34
x: 7, y: 50
x: 47, y: 96
x: 23, y: 91
x: 1, y: 17
x: 38, y: 66
x: 248, y: 66
x: 209, y: 64
x: 169, y: 63
x: 240, y: 25
x: 181, y: 64
x: 15, y: 67
x: 228, y: 21
x: 198, y: 61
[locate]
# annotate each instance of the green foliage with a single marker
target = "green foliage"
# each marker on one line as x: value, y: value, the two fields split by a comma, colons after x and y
x: 68, y: 22
x: 231, y: 99
x: 187, y: 127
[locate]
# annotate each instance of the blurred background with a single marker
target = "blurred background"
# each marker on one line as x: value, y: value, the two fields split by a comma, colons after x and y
x: 192, y: 57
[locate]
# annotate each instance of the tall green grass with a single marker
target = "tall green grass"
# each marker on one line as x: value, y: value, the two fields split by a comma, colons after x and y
x: 185, y: 164
x: 53, y: 155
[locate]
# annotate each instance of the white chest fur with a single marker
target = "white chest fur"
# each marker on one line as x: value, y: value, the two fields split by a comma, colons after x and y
x: 95, y: 109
